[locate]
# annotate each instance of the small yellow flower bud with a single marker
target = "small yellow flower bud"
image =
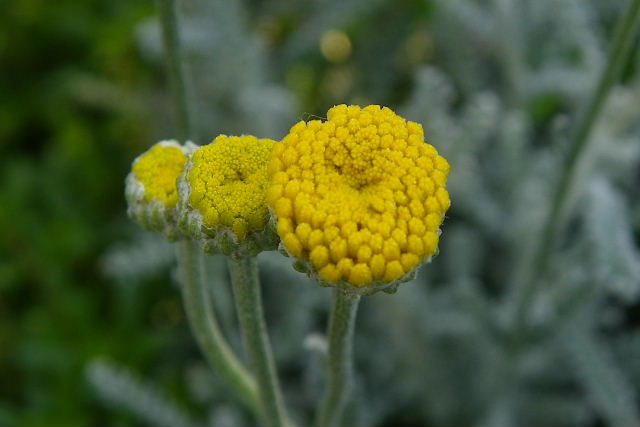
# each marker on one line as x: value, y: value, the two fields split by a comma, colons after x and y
x: 223, y: 195
x: 151, y: 189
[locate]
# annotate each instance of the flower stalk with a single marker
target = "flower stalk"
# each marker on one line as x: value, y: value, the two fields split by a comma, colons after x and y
x: 167, y: 11
x: 339, y: 363
x: 195, y: 292
x: 248, y: 298
x: 205, y: 328
x: 620, y: 50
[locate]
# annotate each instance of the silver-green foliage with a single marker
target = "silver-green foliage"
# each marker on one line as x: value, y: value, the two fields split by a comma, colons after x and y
x: 122, y: 389
x: 443, y: 351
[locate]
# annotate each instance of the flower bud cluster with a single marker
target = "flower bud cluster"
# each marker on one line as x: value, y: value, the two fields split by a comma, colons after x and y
x: 357, y: 200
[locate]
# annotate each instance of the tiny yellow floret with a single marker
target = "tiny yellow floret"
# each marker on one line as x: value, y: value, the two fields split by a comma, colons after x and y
x: 360, y: 275
x: 293, y: 244
x: 319, y: 256
x: 362, y: 195
x: 330, y: 273
x: 394, y: 271
x: 378, y: 265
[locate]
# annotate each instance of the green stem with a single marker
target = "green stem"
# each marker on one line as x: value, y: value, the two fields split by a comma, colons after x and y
x: 620, y: 50
x: 199, y: 309
x: 340, y: 336
x: 175, y: 68
x: 509, y: 49
x: 246, y: 290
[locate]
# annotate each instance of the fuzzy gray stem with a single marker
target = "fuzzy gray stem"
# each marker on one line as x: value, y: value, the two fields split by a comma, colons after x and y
x: 340, y: 336
x: 510, y: 51
x: 619, y: 53
x: 175, y: 68
x: 246, y: 290
x: 199, y: 308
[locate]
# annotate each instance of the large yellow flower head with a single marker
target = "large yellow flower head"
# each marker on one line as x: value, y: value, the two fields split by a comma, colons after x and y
x: 359, y: 198
x: 151, y: 189
x: 223, y: 195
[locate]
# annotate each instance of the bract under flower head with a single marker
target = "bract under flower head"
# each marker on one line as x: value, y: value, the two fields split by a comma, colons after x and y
x: 359, y: 198
x: 223, y: 194
x: 151, y: 190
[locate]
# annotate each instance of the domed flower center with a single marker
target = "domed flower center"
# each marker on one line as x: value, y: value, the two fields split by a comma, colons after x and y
x: 228, y: 179
x: 361, y: 195
x: 157, y: 170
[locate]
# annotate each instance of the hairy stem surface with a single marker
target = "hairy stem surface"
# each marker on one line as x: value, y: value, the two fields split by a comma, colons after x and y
x: 175, y: 67
x: 246, y: 290
x: 340, y: 339
x: 199, y: 308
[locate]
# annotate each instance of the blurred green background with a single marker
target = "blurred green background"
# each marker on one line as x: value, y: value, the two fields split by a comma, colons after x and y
x: 67, y: 138
x: 83, y: 92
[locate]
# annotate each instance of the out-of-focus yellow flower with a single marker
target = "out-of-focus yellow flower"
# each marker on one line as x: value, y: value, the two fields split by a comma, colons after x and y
x: 335, y: 46
x: 359, y: 198
x: 151, y: 190
x: 223, y: 190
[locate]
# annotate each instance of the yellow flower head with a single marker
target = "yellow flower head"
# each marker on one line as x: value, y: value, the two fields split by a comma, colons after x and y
x: 151, y: 189
x: 359, y: 198
x: 224, y: 194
